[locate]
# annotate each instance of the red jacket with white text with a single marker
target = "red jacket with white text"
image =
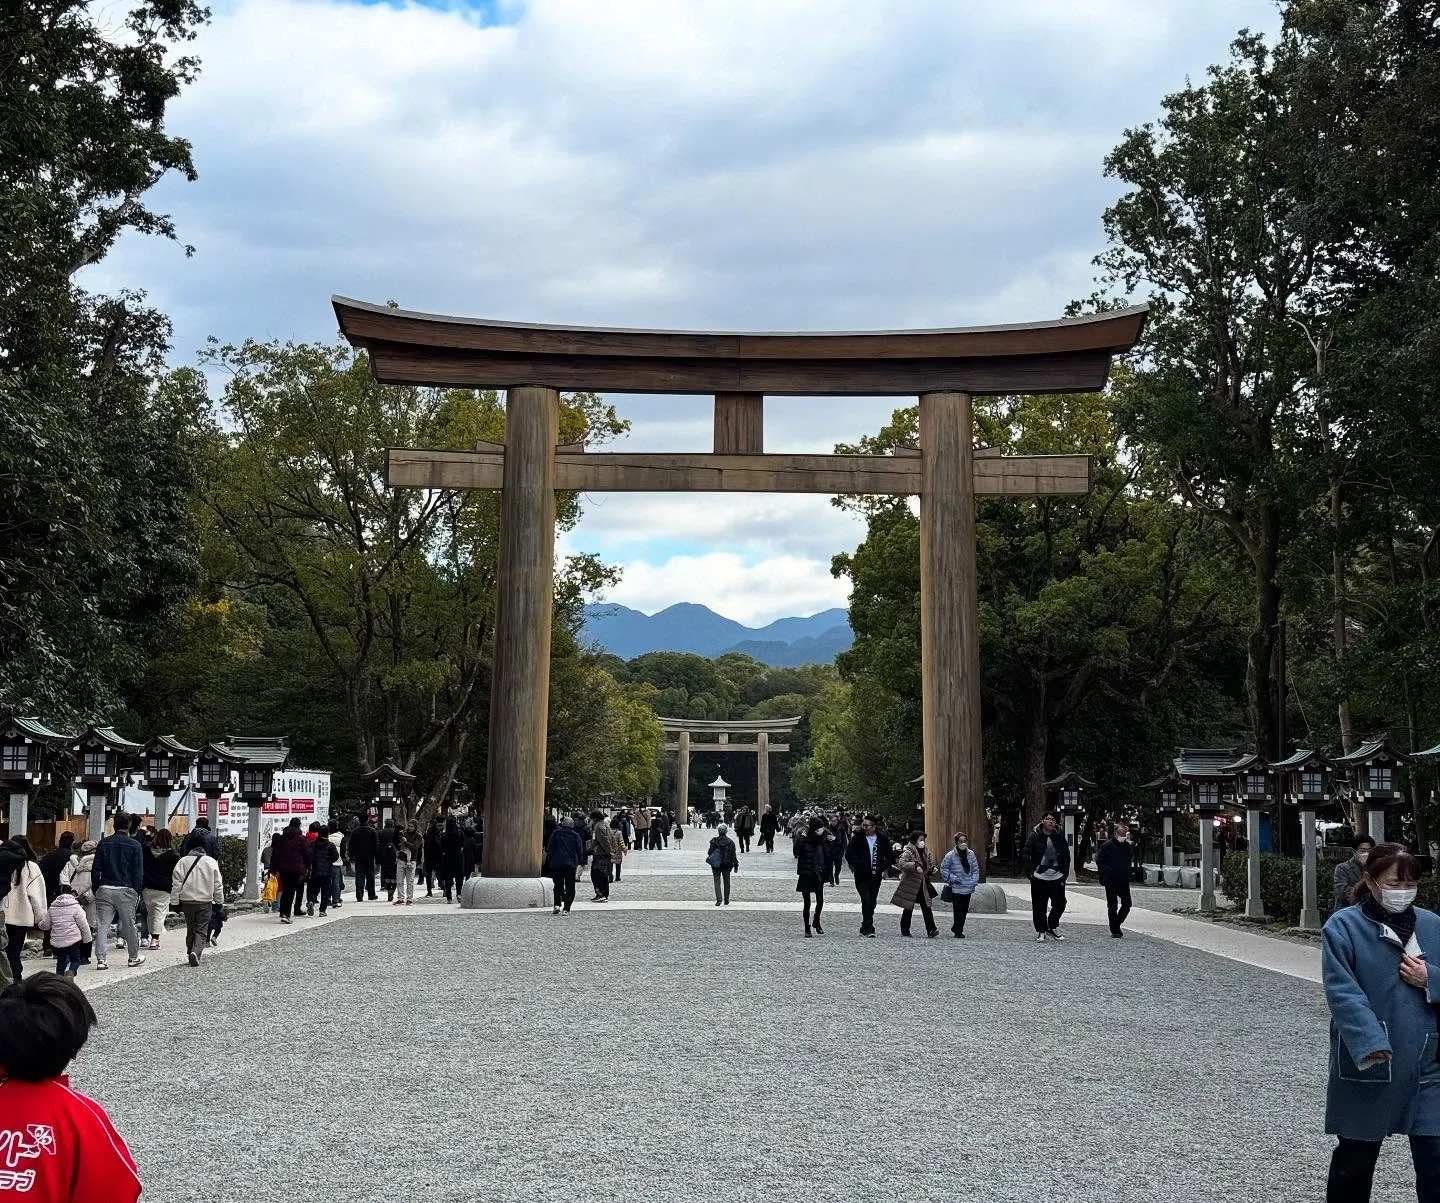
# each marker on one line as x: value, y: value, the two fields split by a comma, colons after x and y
x: 57, y: 1146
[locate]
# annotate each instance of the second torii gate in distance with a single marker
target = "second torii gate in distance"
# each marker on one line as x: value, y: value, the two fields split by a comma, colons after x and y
x: 944, y: 368
x: 715, y: 735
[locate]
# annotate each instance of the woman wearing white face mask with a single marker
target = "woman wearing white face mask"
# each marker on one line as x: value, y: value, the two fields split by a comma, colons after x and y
x: 915, y: 868
x: 1384, y: 1042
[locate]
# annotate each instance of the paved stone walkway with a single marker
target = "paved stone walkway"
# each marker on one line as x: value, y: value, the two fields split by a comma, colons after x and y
x: 432, y: 1054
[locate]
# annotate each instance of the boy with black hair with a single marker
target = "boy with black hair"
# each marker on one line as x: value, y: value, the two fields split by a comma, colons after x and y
x: 56, y: 1145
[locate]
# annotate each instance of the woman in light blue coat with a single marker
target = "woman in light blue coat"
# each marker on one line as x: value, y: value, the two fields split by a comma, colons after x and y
x: 960, y: 871
x: 1384, y: 1042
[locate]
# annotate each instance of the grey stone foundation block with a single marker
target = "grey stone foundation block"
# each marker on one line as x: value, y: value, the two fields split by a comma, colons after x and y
x: 988, y: 899
x: 505, y: 893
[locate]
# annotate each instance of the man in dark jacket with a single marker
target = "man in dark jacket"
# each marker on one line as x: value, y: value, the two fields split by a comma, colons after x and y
x: 290, y: 862
x: 1112, y: 861
x: 563, y: 854
x: 1348, y: 873
x: 1047, y: 864
x: 768, y: 826
x: 869, y: 855
x: 118, y: 877
x: 361, y: 848
x: 323, y: 857
x: 201, y: 837
x: 432, y: 857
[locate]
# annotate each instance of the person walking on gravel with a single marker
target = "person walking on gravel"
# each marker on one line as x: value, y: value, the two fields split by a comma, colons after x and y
x: 723, y: 860
x: 290, y: 862
x: 452, y: 858
x: 197, y: 887
x: 768, y: 826
x: 810, y: 869
x: 160, y: 860
x: 1380, y: 964
x: 1047, y: 864
x: 915, y: 889
x: 118, y: 874
x: 960, y: 871
x: 1112, y: 863
x: 603, y: 847
x: 869, y: 856
x: 363, y: 844
x: 24, y: 905
x: 564, y: 854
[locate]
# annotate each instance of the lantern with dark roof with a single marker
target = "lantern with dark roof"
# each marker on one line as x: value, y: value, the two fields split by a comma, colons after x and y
x: 1374, y: 767
x: 102, y: 755
x: 1255, y: 783
x: 1304, y: 779
x: 389, y: 785
x: 24, y: 746
x: 164, y: 767
x: 1205, y: 772
x: 1168, y: 790
x: 1067, y: 792
x: 257, y: 759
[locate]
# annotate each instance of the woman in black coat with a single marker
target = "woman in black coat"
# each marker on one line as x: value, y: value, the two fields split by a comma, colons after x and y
x: 452, y: 858
x: 432, y: 857
x: 812, y: 868
x: 323, y: 857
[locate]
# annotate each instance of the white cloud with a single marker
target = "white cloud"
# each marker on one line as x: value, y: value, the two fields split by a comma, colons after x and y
x: 753, y: 164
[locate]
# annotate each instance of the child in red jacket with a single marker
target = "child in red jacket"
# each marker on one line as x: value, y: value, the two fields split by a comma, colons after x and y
x: 56, y: 1145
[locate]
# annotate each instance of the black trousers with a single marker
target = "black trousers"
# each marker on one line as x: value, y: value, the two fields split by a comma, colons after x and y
x: 600, y: 877
x: 564, y: 887
x: 819, y: 892
x: 1117, y: 902
x: 768, y: 839
x: 721, y: 875
x: 364, y: 880
x: 1352, y: 1170
x: 923, y: 903
x: 744, y: 838
x: 867, y: 885
x: 319, y: 891
x: 292, y: 889
x: 14, y: 945
x: 962, y: 908
x: 1043, y: 893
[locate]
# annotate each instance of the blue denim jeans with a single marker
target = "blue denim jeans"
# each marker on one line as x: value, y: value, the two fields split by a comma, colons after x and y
x: 67, y: 960
x: 337, y: 884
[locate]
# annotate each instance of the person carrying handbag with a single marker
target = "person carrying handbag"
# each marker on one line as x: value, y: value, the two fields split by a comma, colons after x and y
x: 915, y: 868
x: 960, y: 871
x: 197, y: 887
x: 723, y: 859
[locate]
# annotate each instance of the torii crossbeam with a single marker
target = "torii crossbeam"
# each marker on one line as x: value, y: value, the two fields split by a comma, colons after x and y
x: 944, y: 368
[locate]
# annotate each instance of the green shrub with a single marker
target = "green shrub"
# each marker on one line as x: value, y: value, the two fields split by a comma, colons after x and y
x: 1280, y: 884
x: 232, y: 861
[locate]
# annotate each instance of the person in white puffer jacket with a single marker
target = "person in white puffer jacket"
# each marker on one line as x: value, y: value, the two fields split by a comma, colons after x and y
x: 197, y: 886
x: 24, y: 906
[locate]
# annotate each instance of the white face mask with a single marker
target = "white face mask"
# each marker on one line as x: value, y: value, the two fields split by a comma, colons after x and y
x: 919, y: 843
x: 962, y: 845
x: 1396, y: 901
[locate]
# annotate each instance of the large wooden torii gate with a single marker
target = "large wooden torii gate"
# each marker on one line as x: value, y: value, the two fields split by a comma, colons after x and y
x: 944, y: 368
x: 714, y: 735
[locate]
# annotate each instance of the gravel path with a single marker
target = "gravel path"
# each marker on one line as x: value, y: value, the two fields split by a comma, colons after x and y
x: 520, y: 1057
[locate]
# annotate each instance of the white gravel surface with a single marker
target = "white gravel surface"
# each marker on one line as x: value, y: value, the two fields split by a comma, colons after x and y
x: 714, y: 1055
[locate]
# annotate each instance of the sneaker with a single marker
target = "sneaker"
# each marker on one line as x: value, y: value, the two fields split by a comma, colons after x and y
x: 959, y: 935
x: 194, y: 961
x: 717, y: 903
x: 1040, y: 938
x: 137, y: 959
x: 597, y: 898
x: 398, y: 902
x: 283, y: 919
x: 101, y: 965
x: 1117, y: 934
x: 1055, y: 935
x: 819, y: 931
x: 309, y: 912
x: 555, y: 910
x: 409, y: 902
x: 605, y: 899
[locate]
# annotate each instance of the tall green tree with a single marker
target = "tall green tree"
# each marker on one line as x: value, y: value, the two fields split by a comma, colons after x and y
x: 97, y: 443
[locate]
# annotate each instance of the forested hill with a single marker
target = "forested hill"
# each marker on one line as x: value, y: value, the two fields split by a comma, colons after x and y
x: 687, y: 627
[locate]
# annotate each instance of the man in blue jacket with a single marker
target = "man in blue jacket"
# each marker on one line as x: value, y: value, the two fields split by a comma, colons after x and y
x: 563, y: 855
x: 118, y: 875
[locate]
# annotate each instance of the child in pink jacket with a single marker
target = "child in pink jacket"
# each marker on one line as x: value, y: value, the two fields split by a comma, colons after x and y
x: 69, y: 931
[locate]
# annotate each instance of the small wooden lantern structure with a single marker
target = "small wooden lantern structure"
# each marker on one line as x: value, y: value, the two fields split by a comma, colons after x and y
x: 1203, y: 772
x: 165, y: 767
x: 1255, y: 790
x: 1169, y: 791
x: 24, y: 744
x: 389, y: 787
x: 1374, y: 771
x: 1067, y: 794
x: 257, y: 759
x: 1305, y: 782
x: 102, y: 755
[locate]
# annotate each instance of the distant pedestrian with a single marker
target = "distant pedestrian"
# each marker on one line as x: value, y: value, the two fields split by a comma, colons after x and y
x: 869, y: 856
x: 337, y: 870
x: 197, y: 887
x: 810, y: 869
x: 642, y: 827
x: 723, y: 860
x: 452, y: 859
x: 432, y: 857
x: 159, y: 859
x: 389, y: 840
x: 563, y: 856
x: 1382, y: 983
x: 834, y: 849
x: 363, y: 844
x: 1047, y: 864
x: 744, y: 827
x: 69, y: 931
x: 915, y: 889
x: 408, y: 847
x: 24, y: 905
x: 290, y: 862
x: 602, y: 855
x: 1348, y: 873
x: 118, y: 874
x: 1112, y: 864
x: 79, y: 876
x: 203, y: 836
x: 324, y: 859
x: 960, y: 871
x: 679, y: 834
x: 768, y: 826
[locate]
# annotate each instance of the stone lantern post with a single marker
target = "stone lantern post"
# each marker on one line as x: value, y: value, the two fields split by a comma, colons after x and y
x: 1374, y: 770
x: 165, y: 767
x: 101, y: 757
x: 257, y: 760
x: 24, y: 745
x: 1304, y: 782
x: 389, y: 787
x: 1067, y: 794
x: 1255, y: 791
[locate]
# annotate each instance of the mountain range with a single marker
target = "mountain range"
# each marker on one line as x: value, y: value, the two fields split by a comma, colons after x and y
x: 687, y: 627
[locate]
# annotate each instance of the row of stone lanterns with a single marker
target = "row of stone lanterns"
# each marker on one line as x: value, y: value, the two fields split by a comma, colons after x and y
x: 104, y: 760
x: 1216, y: 779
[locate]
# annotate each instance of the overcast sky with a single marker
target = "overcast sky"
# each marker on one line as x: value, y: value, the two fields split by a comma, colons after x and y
x: 752, y: 164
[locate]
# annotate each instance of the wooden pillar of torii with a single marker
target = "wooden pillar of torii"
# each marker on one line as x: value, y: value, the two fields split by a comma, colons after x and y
x: 944, y: 368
